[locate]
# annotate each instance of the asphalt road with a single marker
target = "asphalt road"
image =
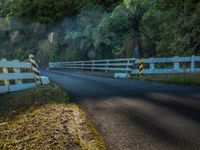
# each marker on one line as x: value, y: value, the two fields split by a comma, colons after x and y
x: 137, y: 115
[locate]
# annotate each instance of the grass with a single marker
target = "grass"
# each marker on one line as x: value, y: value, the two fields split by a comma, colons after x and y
x: 13, y: 104
x: 43, y: 118
x: 185, y: 79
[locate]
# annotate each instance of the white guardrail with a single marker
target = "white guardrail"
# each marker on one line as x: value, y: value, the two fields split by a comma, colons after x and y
x: 11, y: 77
x: 151, y: 65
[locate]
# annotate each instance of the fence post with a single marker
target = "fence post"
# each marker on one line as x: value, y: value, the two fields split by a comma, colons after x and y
x: 127, y: 67
x: 82, y: 66
x: 107, y: 66
x: 5, y: 70
x: 34, y: 68
x: 141, y: 66
x: 193, y: 64
x: 17, y: 70
x: 92, y: 66
x: 60, y: 66
x: 152, y: 66
x: 176, y: 64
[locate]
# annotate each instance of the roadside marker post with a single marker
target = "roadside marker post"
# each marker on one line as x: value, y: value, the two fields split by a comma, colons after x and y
x: 141, y: 68
x: 34, y: 68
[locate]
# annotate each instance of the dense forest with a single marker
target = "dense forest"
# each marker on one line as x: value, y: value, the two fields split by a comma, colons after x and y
x: 67, y: 30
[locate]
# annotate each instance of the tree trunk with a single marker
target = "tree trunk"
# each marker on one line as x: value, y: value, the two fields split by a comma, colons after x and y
x: 137, y: 43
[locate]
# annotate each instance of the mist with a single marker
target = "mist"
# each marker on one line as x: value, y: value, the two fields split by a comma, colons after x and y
x: 100, y: 31
x: 62, y: 40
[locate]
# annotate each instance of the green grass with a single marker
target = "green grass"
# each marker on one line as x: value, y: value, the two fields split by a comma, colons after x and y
x: 12, y: 104
x: 186, y: 79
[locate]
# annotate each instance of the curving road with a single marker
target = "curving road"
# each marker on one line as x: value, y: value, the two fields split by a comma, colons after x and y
x: 137, y: 115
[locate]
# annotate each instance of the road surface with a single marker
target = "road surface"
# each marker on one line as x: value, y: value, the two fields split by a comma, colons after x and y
x: 137, y: 115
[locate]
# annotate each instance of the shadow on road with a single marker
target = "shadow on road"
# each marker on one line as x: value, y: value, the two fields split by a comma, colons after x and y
x: 150, y: 115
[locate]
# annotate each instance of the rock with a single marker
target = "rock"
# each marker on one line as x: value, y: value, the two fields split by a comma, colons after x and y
x: 52, y: 37
x: 16, y: 37
x: 14, y: 112
x: 20, y: 147
x: 45, y: 80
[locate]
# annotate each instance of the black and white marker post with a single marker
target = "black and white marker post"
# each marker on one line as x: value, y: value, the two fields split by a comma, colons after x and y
x: 34, y: 68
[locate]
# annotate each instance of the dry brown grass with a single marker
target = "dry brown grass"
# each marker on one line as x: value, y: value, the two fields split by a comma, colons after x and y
x: 48, y: 124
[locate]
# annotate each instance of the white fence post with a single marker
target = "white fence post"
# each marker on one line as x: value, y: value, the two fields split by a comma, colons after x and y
x: 107, y: 66
x: 193, y: 63
x: 5, y: 70
x: 176, y: 64
x: 82, y: 66
x: 92, y: 66
x: 127, y: 67
x: 152, y: 66
x: 17, y: 70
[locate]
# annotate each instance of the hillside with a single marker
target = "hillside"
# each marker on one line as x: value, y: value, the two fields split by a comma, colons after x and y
x: 67, y: 30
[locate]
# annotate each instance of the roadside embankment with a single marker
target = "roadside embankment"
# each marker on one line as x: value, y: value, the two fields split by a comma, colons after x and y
x: 43, y: 118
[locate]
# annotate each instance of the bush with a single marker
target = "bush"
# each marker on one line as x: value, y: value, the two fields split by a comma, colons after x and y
x: 44, y: 11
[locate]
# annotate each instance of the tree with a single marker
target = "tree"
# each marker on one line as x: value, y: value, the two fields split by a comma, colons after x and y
x: 108, y: 4
x: 137, y: 9
x: 180, y: 31
x: 44, y: 11
x: 4, y: 9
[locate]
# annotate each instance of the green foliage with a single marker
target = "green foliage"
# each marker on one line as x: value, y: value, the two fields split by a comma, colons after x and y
x: 94, y: 29
x: 44, y: 11
x: 108, y: 4
x: 4, y: 9
x: 90, y: 15
x: 137, y: 7
x: 176, y: 29
x: 186, y: 79
x: 73, y: 35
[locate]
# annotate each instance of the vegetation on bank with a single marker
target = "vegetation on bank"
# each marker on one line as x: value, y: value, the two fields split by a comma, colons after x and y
x: 186, y: 79
x: 42, y: 118
x: 13, y: 104
x: 93, y: 29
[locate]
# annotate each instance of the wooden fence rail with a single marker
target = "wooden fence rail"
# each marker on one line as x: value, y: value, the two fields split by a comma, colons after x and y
x: 13, y: 79
x: 151, y: 65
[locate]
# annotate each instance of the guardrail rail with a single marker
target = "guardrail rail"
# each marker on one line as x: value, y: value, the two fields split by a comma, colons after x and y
x: 97, y: 65
x: 151, y: 65
x: 170, y: 65
x: 15, y: 76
